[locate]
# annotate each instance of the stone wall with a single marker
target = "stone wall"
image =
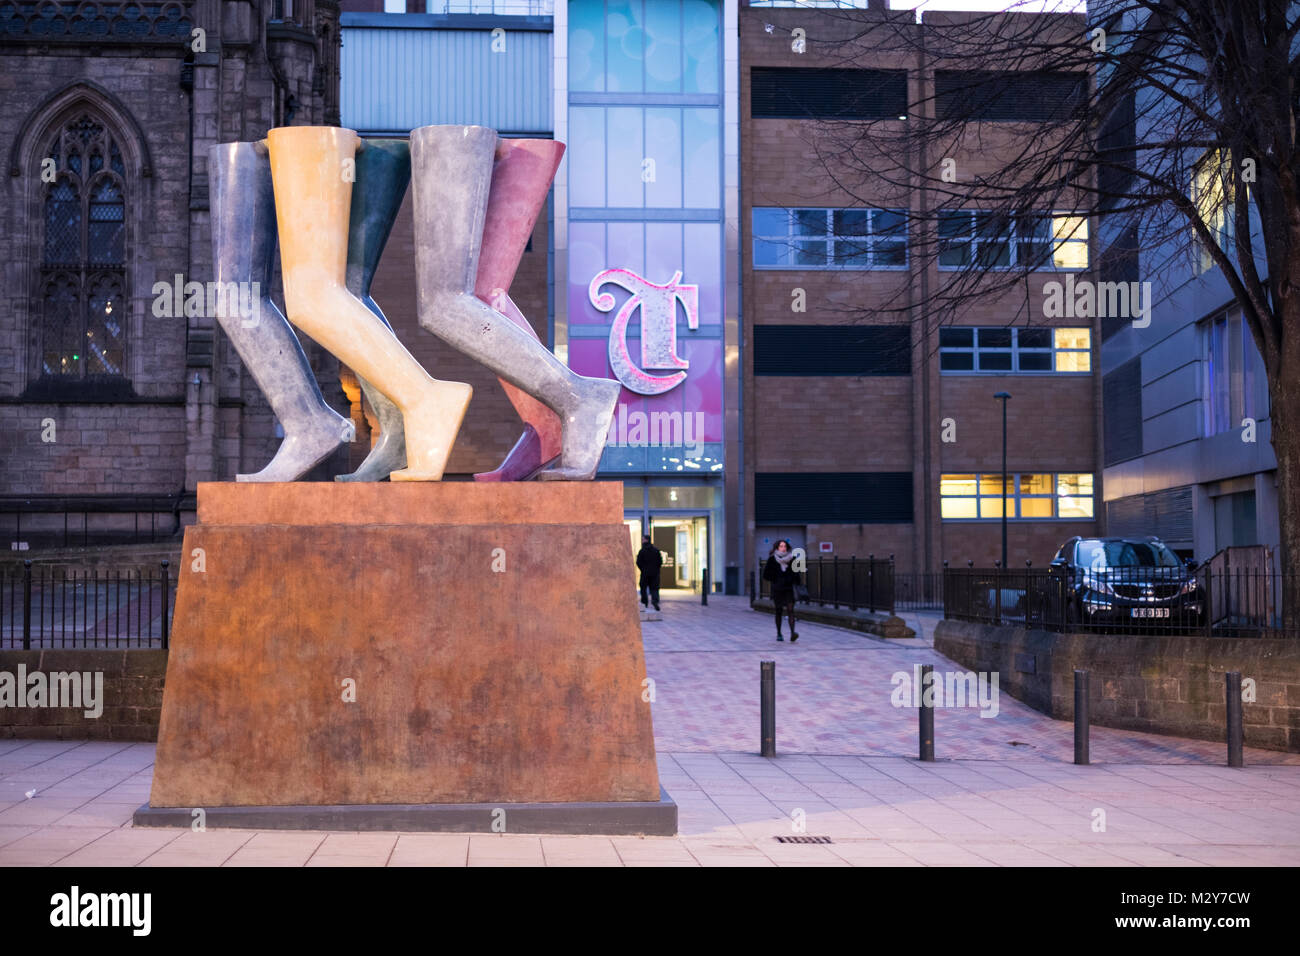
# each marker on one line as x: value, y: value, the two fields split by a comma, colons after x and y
x: 1162, y: 685
x: 185, y: 409
x: 132, y: 695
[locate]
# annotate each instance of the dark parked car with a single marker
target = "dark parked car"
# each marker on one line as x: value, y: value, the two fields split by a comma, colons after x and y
x: 1132, y: 582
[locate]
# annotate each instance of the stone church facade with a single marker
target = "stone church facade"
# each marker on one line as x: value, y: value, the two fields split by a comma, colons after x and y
x: 107, y: 409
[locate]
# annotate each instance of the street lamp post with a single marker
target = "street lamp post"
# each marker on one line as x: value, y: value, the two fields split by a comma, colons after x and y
x: 1003, y: 396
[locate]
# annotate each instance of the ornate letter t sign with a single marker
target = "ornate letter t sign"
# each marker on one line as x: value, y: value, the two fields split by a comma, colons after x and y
x: 658, y: 305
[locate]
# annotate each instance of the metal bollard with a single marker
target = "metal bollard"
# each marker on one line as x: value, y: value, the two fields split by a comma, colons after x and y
x: 704, y: 589
x: 1081, y: 717
x: 767, y: 700
x: 1236, y: 735
x: 927, y: 715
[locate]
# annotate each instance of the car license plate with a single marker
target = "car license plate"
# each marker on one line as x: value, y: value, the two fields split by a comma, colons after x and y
x: 1150, y: 612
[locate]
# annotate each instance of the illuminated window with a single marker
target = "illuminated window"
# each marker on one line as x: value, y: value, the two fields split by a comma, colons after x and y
x: 1074, y: 495
x: 1002, y: 350
x: 1036, y: 496
x: 1027, y: 496
x: 995, y: 241
x: 1069, y: 242
x: 1212, y: 192
x: 957, y: 496
x: 1073, y: 349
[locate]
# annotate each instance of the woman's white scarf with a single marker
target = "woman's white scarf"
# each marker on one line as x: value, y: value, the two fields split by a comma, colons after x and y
x: 784, y: 559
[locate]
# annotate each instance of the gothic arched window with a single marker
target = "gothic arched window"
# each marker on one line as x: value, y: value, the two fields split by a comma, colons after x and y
x: 83, y: 263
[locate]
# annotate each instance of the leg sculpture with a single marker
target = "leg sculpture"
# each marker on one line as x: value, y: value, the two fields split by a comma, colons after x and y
x: 312, y: 200
x: 383, y: 174
x: 521, y: 177
x: 243, y: 251
x: 452, y: 167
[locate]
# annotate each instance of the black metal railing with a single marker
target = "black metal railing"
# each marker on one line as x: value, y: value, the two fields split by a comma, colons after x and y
x: 53, y: 606
x: 1210, y: 601
x: 854, y: 583
x: 31, y: 522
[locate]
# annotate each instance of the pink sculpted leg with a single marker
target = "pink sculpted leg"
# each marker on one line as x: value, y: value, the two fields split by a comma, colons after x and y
x: 521, y: 178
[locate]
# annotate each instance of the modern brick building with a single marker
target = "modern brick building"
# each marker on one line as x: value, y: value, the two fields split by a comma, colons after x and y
x: 870, y: 423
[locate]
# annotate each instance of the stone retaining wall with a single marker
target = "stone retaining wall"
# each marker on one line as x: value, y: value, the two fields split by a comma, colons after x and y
x: 131, y: 699
x: 1163, y: 685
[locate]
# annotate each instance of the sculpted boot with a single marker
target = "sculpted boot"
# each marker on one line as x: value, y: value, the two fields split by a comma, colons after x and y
x: 243, y: 251
x: 452, y: 171
x: 313, y: 192
x: 521, y: 178
x: 382, y: 175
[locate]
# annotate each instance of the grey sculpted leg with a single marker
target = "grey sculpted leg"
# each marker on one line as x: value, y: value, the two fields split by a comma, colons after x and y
x: 452, y: 172
x: 243, y: 253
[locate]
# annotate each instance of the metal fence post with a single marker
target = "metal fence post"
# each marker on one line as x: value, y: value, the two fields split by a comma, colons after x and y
x: 893, y: 583
x: 767, y: 703
x: 853, y: 578
x: 927, y: 714
x: 871, y: 581
x: 27, y: 605
x: 835, y: 581
x: 704, y: 587
x: 1236, y: 735
x: 166, y: 623
x: 1081, y: 717
x: 1207, y: 602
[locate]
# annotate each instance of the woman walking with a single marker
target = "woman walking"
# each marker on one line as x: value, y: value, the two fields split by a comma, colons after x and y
x: 779, y: 570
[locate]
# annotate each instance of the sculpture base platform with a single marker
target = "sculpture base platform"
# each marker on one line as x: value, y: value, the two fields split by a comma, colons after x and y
x: 386, y: 652
x: 608, y: 819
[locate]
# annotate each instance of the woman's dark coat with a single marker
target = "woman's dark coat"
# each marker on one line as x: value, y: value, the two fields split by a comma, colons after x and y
x: 783, y: 581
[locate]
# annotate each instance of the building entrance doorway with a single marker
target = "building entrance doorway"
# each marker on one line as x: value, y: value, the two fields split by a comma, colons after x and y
x: 684, y: 541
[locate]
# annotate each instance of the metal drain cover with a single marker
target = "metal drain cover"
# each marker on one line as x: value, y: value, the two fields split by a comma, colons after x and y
x: 803, y: 839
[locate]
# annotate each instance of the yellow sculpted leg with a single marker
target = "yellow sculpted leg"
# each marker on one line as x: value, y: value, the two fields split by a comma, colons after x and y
x: 310, y: 167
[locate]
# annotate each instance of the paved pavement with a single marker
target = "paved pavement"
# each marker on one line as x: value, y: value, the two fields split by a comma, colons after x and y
x: 1003, y: 791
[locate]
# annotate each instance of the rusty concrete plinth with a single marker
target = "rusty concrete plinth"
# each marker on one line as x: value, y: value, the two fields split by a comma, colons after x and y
x: 488, y: 633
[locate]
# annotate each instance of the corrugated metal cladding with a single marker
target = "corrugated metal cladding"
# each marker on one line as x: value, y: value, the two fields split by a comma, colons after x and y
x: 1166, y: 514
x: 396, y: 80
x: 876, y: 497
x: 832, y: 350
x: 780, y: 92
x: 1121, y: 399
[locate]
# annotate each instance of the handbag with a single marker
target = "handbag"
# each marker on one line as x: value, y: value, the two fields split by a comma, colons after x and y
x: 801, y: 593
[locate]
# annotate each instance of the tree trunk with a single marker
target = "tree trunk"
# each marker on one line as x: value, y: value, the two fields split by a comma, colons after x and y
x: 1284, y: 415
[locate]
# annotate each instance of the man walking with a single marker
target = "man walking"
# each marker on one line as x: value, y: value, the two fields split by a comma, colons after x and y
x: 649, y: 561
